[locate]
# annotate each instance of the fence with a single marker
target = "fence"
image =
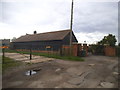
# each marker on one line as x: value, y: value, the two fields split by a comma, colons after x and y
x: 103, y: 50
x: 110, y: 51
x: 118, y: 51
x: 96, y: 49
x: 77, y: 50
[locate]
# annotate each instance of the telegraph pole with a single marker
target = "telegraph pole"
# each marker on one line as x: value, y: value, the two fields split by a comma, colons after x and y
x: 71, y: 23
x: 3, y: 56
x: 30, y: 58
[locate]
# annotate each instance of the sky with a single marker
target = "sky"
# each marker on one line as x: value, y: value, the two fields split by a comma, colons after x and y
x: 92, y: 20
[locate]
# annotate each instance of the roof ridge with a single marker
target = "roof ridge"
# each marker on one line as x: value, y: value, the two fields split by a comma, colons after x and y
x: 51, y: 32
x: 55, y: 35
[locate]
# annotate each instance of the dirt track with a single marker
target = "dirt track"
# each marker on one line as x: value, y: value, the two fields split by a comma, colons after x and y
x: 94, y: 72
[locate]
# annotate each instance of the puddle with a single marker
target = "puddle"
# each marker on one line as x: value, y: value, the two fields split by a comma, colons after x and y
x: 30, y: 72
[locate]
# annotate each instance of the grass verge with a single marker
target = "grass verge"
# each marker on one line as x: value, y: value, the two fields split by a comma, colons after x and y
x: 9, y: 63
x: 71, y: 58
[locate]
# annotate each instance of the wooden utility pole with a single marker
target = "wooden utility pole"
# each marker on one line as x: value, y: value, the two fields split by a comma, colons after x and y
x: 30, y: 54
x: 3, y: 53
x: 71, y: 23
x: 3, y: 56
x: 30, y: 58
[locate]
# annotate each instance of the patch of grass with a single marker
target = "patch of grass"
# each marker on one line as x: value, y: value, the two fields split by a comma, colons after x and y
x: 72, y: 58
x: 9, y: 63
x: 10, y: 51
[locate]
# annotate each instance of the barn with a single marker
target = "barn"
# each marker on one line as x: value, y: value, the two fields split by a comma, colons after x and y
x: 44, y: 41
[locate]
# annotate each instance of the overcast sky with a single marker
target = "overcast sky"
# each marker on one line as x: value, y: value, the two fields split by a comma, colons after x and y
x: 92, y: 20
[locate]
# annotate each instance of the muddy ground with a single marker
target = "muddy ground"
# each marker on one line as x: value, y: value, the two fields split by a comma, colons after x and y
x: 94, y: 72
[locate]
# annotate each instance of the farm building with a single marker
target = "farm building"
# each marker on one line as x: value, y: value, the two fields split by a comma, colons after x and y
x: 44, y: 41
x: 5, y: 42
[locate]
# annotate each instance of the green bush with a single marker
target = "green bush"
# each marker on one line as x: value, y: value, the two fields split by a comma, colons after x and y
x: 9, y: 63
x: 97, y: 49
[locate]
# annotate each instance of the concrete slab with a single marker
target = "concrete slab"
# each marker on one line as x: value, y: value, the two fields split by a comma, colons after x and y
x: 26, y: 58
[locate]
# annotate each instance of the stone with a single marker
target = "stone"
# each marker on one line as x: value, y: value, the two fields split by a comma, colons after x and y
x: 57, y: 70
x: 115, y: 73
x: 91, y: 64
x: 107, y: 85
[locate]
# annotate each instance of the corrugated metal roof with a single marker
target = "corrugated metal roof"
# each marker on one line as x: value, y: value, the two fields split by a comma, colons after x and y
x: 56, y: 35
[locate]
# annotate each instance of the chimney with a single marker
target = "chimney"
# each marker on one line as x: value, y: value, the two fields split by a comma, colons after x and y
x: 35, y: 32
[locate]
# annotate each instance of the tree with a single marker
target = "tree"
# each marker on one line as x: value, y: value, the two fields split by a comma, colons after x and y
x: 108, y: 40
x: 14, y: 38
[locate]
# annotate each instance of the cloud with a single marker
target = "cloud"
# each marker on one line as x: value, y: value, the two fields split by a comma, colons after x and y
x: 90, y: 18
x: 0, y: 11
x: 90, y: 38
x: 60, y: 0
